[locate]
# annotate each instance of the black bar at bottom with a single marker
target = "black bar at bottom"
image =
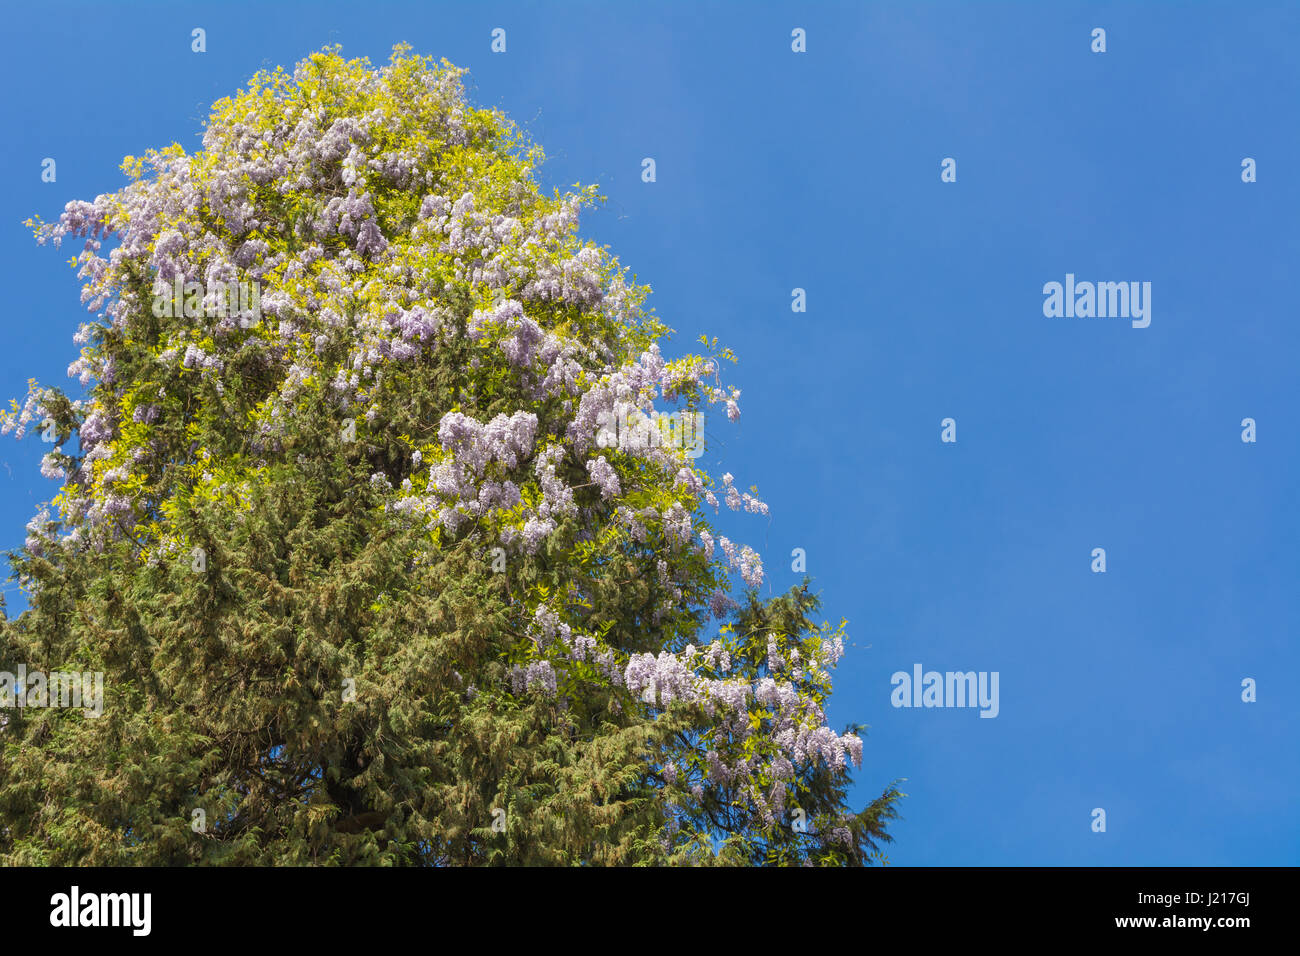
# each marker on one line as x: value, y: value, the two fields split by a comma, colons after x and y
x: 308, y: 906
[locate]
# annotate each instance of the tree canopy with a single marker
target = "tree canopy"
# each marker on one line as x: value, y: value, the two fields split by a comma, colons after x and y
x: 371, y: 521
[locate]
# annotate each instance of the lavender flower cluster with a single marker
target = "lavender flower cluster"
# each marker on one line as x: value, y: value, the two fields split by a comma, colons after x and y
x: 794, y: 722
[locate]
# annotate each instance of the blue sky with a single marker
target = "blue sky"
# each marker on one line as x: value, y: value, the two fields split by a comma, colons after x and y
x: 821, y: 171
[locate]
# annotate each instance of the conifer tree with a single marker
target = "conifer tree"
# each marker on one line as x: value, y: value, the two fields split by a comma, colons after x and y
x: 378, y: 522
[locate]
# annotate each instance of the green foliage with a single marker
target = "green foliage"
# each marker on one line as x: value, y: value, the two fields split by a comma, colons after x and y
x: 327, y: 679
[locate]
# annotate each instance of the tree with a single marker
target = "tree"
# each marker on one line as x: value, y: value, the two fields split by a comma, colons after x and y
x: 371, y: 526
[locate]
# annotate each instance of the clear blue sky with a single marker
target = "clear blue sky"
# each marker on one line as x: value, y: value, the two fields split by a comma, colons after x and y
x: 821, y: 170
